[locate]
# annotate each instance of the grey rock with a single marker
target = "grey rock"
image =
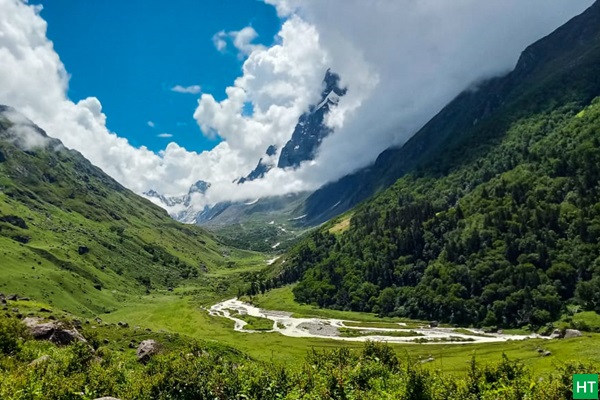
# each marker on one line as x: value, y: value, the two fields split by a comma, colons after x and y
x: 572, y: 333
x: 55, y: 332
x: 556, y: 334
x: 547, y: 353
x: 146, y: 350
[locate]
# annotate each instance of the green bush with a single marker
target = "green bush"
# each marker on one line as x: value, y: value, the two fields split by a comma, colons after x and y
x: 12, y: 334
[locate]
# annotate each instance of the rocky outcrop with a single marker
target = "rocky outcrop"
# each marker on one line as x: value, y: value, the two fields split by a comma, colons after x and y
x: 311, y: 128
x: 55, y: 332
x: 14, y: 220
x: 146, y: 350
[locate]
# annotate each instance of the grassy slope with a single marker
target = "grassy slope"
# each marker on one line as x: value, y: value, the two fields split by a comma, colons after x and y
x: 54, y: 202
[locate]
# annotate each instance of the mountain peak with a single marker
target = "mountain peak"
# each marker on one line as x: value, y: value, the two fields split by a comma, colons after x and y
x: 311, y: 129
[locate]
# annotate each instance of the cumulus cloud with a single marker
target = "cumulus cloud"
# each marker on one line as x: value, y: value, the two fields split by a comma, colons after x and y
x: 193, y: 89
x: 164, y: 135
x: 400, y: 60
x: 151, y: 124
x: 279, y: 82
x: 34, y: 81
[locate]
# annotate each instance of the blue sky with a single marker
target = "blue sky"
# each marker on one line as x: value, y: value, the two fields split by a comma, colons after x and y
x: 129, y: 54
x: 401, y: 61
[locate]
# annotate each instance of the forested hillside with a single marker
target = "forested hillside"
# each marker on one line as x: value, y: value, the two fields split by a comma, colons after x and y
x: 500, y: 225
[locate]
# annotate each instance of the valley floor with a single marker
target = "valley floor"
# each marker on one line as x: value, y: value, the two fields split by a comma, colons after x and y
x: 181, y: 313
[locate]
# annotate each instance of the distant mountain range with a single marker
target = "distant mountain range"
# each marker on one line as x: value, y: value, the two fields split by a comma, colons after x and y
x: 302, y: 146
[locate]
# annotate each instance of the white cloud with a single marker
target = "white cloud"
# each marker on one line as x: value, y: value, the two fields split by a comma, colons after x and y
x: 34, y: 81
x: 241, y: 40
x: 401, y: 61
x: 281, y: 82
x: 404, y: 60
x: 164, y: 135
x: 193, y: 89
x: 219, y: 41
x: 151, y: 124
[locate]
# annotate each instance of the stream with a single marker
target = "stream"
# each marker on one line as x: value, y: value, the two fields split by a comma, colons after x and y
x: 329, y: 328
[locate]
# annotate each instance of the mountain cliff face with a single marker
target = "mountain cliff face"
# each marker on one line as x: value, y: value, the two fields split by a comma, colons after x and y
x: 311, y: 129
x: 308, y: 133
x: 496, y: 219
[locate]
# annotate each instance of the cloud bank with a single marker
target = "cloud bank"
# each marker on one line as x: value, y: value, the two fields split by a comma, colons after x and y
x: 402, y: 61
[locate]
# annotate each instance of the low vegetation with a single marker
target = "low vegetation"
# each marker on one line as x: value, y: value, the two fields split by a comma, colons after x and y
x: 254, y: 323
x: 191, y: 369
x: 347, y: 332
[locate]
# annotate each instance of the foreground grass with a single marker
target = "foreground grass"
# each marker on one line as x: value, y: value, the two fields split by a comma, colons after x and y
x: 192, y: 369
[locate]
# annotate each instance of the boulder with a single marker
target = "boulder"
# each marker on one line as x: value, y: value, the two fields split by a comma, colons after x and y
x: 83, y: 250
x: 547, y: 353
x: 556, y: 334
x: 147, y: 349
x: 12, y: 297
x: 55, y: 332
x: 106, y: 398
x: 571, y: 333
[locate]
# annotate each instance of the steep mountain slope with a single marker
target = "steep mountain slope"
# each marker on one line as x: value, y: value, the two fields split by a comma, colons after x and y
x: 302, y: 146
x: 543, y: 66
x: 72, y: 236
x: 497, y: 221
x: 311, y: 129
x: 308, y: 133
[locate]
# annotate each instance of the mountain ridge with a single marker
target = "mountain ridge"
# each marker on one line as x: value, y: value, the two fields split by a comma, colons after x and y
x: 392, y: 163
x: 66, y: 227
x: 483, y: 225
